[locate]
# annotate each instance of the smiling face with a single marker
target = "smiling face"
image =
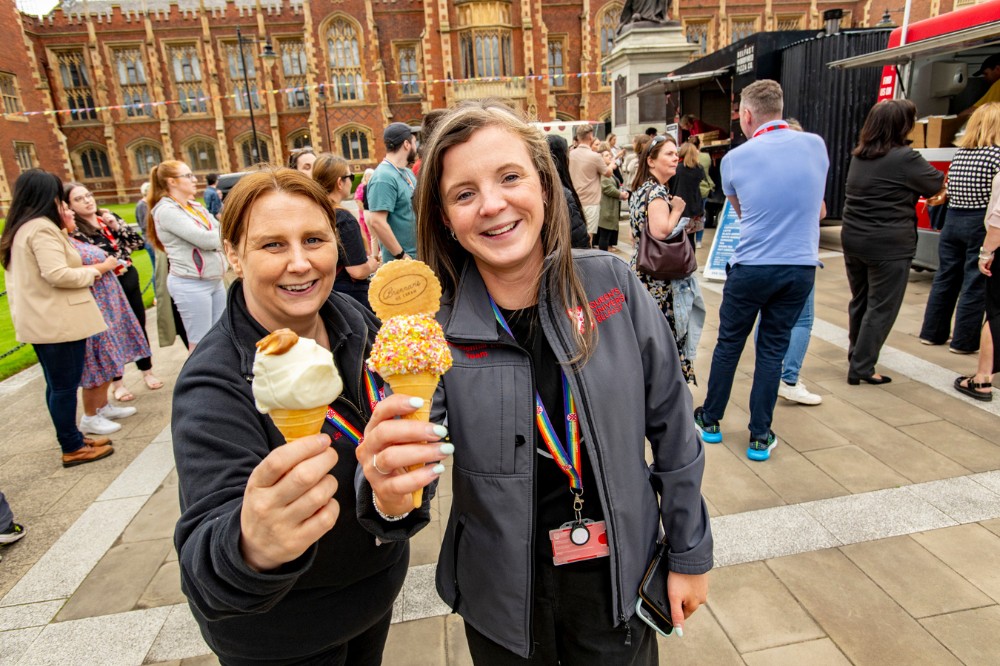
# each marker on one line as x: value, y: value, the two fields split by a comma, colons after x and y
x: 287, y: 259
x: 82, y: 202
x: 664, y: 165
x: 494, y: 203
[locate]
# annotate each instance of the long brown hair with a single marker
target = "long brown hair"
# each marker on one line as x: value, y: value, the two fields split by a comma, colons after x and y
x: 328, y: 170
x: 446, y: 256
x: 241, y: 199
x: 36, y: 194
x: 157, y: 190
x: 83, y: 225
x: 651, y: 151
x: 886, y: 127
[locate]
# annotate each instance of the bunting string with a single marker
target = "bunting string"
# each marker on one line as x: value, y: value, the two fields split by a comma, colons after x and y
x: 344, y: 85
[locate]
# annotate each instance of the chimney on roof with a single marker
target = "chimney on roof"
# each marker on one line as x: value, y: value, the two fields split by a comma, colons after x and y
x: 831, y: 20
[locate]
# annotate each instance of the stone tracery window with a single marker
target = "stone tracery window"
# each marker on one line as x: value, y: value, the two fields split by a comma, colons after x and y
x: 238, y: 82
x: 354, y: 143
x: 293, y: 73
x: 485, y: 41
x: 607, y: 23
x: 185, y: 70
x: 132, y: 85
x: 76, y: 85
x: 343, y: 53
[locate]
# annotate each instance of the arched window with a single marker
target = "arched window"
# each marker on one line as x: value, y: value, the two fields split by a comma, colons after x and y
x: 343, y: 52
x: 248, y: 156
x: 201, y: 155
x: 299, y: 139
x: 607, y: 23
x: 146, y: 156
x: 354, y: 143
x: 94, y: 162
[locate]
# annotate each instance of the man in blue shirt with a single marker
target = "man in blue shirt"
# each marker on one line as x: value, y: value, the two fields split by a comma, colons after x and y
x: 775, y: 183
x: 390, y: 195
x: 213, y: 202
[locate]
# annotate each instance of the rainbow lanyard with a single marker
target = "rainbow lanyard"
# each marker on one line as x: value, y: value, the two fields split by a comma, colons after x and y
x: 337, y: 420
x: 779, y: 125
x: 569, y: 461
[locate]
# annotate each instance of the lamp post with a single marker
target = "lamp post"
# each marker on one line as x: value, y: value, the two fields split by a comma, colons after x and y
x: 321, y: 95
x: 268, y: 57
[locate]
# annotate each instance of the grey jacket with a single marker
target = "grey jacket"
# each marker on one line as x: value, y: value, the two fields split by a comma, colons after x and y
x: 194, y: 251
x: 486, y: 567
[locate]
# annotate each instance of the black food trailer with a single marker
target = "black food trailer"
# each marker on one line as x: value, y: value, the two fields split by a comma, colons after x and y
x: 832, y: 104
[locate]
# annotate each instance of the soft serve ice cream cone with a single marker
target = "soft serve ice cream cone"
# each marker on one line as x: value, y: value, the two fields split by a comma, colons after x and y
x: 410, y: 352
x: 294, y: 381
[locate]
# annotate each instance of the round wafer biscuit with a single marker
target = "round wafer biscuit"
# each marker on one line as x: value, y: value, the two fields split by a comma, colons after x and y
x: 404, y: 288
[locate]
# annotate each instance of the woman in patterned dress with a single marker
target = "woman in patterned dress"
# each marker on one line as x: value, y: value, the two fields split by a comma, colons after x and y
x: 107, y: 352
x: 110, y: 233
x: 651, y: 203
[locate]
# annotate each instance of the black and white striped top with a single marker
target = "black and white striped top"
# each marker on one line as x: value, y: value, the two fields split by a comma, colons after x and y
x: 971, y: 177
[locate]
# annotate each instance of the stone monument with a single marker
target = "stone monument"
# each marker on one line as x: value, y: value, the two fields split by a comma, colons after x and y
x: 649, y: 44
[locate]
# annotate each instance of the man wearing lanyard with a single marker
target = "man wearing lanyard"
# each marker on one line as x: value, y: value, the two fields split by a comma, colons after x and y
x: 775, y: 183
x: 390, y: 195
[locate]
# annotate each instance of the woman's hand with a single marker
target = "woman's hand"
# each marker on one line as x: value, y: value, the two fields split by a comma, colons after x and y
x: 109, y: 264
x: 686, y: 592
x: 396, y: 445
x: 109, y: 219
x: 288, y: 503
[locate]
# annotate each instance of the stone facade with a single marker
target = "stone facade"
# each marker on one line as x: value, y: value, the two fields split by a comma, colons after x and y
x: 133, y: 82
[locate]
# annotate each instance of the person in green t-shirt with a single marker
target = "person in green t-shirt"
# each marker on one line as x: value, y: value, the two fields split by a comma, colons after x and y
x: 390, y: 195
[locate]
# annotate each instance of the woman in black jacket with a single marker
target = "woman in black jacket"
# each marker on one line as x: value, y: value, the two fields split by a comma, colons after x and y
x: 579, y: 238
x: 686, y: 184
x: 879, y: 234
x: 273, y: 561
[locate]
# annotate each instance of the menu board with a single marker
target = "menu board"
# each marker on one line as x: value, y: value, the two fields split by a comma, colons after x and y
x: 727, y: 237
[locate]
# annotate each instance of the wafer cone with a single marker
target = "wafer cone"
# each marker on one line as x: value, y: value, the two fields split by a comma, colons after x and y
x: 421, y: 385
x: 295, y: 423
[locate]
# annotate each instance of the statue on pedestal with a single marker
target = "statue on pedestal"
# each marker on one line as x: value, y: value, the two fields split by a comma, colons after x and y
x: 644, y: 13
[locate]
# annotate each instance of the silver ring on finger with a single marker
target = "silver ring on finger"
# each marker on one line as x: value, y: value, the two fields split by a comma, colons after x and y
x: 377, y: 468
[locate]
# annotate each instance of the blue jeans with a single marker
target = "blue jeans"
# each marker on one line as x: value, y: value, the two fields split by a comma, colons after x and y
x: 776, y: 293
x: 6, y: 515
x: 152, y: 255
x: 957, y: 280
x: 62, y: 365
x: 798, y: 343
x: 689, y: 313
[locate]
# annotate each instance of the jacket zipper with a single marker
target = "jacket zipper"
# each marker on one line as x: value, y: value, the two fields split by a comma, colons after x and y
x: 595, y: 452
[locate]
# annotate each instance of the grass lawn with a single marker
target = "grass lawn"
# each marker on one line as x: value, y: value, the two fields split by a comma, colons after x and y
x: 12, y: 363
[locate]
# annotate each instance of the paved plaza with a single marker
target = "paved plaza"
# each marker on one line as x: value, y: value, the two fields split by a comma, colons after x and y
x: 871, y: 537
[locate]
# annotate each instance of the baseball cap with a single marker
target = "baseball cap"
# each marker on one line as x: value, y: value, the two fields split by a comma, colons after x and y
x: 990, y: 62
x: 395, y: 134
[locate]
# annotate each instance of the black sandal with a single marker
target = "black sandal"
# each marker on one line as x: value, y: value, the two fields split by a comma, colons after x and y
x: 970, y: 388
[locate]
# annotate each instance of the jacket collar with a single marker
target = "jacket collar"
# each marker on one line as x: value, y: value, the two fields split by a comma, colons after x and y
x: 246, y: 331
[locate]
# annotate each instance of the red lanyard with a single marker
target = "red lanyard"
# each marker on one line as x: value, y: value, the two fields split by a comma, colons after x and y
x: 107, y: 234
x: 779, y: 125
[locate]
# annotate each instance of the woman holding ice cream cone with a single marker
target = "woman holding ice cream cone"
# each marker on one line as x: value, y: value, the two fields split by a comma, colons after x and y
x: 275, y: 564
x: 563, y: 367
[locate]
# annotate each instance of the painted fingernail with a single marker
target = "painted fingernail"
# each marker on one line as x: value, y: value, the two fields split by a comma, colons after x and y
x: 416, y: 403
x: 679, y: 631
x: 438, y: 469
x: 440, y: 431
x: 447, y: 449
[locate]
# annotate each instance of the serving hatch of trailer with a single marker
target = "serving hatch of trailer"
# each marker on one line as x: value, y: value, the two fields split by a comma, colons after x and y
x: 932, y: 67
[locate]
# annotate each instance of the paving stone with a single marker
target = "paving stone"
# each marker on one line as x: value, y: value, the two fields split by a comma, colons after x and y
x: 876, y: 515
x: 114, y: 640
x: 752, y: 591
x: 20, y: 557
x: 804, y: 433
x: 883, y: 405
x: 203, y: 660
x: 179, y: 637
x: 455, y: 644
x: 774, y: 532
x: 864, y: 622
x: 815, y: 653
x: 14, y: 644
x: 426, y: 545
x: 165, y: 588
x: 421, y: 598
x: 972, y: 551
x: 157, y: 518
x: 946, y: 405
x: 990, y: 480
x: 429, y: 634
x: 965, y: 448
x: 704, y: 642
x: 962, y: 499
x: 142, y: 479
x: 918, y: 581
x: 855, y: 469
x: 85, y: 490
x: 118, y: 580
x: 731, y: 486
x: 28, y: 615
x: 992, y: 525
x: 963, y: 633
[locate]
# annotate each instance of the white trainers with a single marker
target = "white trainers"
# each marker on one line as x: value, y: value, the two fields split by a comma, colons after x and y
x: 697, y: 245
x: 798, y: 393
x: 110, y: 411
x: 98, y: 425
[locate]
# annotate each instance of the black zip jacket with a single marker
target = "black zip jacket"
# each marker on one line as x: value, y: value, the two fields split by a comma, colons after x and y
x: 339, y: 587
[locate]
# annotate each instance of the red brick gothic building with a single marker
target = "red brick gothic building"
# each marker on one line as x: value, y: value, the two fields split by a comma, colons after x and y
x: 112, y: 87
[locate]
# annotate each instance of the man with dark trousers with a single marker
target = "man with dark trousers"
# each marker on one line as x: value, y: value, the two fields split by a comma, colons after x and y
x: 775, y: 183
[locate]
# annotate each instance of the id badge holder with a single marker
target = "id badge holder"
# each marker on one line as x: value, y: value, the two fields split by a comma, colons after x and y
x: 577, y: 541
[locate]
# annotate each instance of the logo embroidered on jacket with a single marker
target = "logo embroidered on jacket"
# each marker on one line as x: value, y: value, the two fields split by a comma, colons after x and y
x: 472, y: 351
x: 607, y: 305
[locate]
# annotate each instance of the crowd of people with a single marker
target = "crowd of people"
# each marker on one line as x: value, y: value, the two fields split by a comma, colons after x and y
x: 518, y: 228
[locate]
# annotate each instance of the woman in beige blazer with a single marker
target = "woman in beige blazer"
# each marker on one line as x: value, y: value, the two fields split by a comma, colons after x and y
x: 48, y: 288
